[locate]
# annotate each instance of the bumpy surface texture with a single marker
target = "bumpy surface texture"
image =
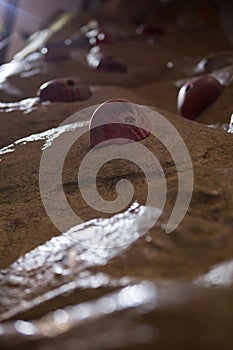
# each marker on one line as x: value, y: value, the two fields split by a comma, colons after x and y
x: 114, y: 281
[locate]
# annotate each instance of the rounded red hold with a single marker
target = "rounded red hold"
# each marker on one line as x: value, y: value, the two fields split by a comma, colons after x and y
x: 197, y: 94
x: 64, y: 90
x: 110, y: 64
x: 118, y: 121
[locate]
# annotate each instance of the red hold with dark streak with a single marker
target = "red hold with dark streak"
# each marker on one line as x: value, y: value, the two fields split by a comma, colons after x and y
x: 118, y: 119
x: 64, y: 90
x: 109, y: 64
x: 197, y: 94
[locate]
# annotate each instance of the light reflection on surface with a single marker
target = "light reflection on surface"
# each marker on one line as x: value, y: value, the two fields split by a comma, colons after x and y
x: 219, y: 275
x: 94, y: 57
x: 63, y: 320
x: 25, y: 106
x: 219, y: 126
x: 16, y: 67
x: 63, y: 265
x: 25, y: 328
x: 48, y: 136
x: 230, y: 128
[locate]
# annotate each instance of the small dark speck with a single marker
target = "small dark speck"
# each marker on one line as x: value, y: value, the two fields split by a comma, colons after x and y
x: 70, y: 82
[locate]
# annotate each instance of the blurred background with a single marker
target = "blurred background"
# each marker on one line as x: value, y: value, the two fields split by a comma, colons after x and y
x: 20, y: 18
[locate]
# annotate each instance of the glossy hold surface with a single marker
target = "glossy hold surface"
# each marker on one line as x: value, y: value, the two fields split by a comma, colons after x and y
x: 108, y: 64
x: 64, y: 90
x: 97, y: 37
x: 196, y: 95
x: 111, y: 65
x: 118, y: 119
x: 215, y: 61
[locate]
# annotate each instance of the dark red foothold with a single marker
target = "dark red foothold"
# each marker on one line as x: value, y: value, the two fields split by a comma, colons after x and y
x: 110, y: 64
x: 118, y: 121
x: 55, y: 54
x: 197, y: 94
x: 69, y: 89
x: 149, y: 29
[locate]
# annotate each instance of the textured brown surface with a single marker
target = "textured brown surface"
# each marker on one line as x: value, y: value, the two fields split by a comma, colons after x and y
x: 23, y: 213
x: 27, y: 117
x: 188, y: 304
